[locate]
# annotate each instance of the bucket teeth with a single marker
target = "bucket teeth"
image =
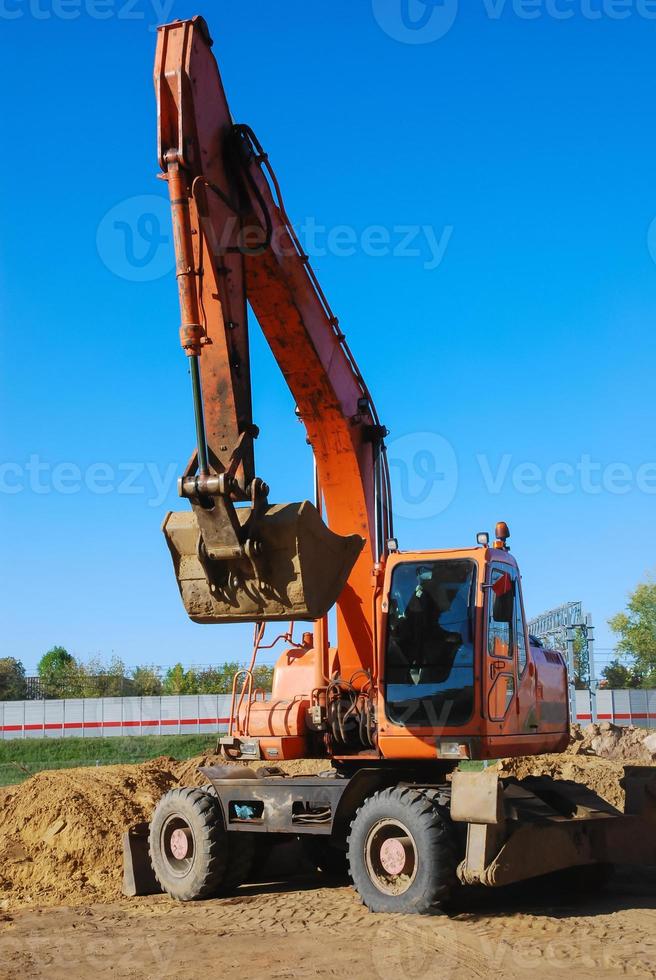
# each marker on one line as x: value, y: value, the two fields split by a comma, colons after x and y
x: 298, y: 575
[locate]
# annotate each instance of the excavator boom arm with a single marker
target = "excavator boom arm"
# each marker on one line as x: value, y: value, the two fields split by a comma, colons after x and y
x: 234, y: 242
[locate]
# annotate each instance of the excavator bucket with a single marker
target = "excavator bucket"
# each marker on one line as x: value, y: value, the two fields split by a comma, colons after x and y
x: 298, y: 575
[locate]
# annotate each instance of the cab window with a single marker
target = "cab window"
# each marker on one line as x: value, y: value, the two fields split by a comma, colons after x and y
x: 429, y: 657
x: 501, y: 604
x: 520, y: 632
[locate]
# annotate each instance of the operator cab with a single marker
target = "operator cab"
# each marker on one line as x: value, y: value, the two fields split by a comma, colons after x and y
x: 458, y: 677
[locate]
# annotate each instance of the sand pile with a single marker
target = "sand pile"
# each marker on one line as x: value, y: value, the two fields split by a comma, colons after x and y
x: 60, y: 832
x: 187, y: 772
x: 600, y: 775
x: 624, y: 744
x: 596, y: 757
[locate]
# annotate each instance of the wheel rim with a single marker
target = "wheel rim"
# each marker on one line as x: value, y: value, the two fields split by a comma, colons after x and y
x: 390, y: 855
x: 178, y: 845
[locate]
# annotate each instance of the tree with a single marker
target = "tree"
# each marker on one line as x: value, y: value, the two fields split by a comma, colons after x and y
x: 104, y: 681
x: 620, y: 676
x: 636, y: 628
x: 212, y: 680
x: 146, y: 682
x: 12, y: 680
x: 58, y: 672
x: 263, y: 677
x: 219, y: 680
x: 177, y: 680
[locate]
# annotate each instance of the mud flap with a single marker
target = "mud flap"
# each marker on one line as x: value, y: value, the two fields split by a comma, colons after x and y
x: 299, y: 573
x: 138, y: 875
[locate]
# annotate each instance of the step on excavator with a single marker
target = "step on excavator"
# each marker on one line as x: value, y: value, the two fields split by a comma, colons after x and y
x: 432, y: 668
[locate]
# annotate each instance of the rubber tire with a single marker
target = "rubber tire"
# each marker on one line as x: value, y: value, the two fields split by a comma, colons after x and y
x: 241, y: 855
x: 435, y: 842
x: 203, y: 815
x: 330, y: 861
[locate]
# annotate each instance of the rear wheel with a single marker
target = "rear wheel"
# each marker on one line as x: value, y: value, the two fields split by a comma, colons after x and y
x: 402, y: 851
x: 188, y: 844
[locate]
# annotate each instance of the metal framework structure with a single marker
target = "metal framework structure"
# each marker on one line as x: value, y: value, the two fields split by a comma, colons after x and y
x: 560, y: 628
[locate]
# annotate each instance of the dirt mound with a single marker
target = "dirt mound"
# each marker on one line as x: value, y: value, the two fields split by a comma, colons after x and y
x: 624, y: 744
x: 187, y: 772
x: 600, y: 775
x: 60, y: 832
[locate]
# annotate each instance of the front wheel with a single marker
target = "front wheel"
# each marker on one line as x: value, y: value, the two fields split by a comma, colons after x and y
x: 188, y: 844
x: 402, y: 851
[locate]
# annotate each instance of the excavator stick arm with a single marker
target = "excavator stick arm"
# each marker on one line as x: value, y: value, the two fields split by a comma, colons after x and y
x: 234, y: 242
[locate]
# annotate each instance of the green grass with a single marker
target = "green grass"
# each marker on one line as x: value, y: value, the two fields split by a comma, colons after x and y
x: 21, y: 758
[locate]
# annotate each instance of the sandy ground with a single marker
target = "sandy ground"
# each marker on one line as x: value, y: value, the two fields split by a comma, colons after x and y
x: 61, y: 915
x: 300, y: 929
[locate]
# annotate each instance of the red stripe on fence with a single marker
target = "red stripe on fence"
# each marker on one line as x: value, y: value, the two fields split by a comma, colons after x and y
x: 144, y: 723
x: 621, y: 715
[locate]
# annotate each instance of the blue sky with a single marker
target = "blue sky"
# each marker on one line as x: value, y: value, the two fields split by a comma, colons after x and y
x: 478, y: 204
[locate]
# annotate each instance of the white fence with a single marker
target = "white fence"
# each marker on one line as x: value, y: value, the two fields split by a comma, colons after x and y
x: 187, y: 714
x: 621, y: 707
x: 207, y: 714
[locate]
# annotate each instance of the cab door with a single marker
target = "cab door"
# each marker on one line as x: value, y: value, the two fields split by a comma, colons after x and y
x: 500, y: 654
x: 527, y: 702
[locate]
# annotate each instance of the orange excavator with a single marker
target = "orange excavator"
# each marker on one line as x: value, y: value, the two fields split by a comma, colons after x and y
x: 432, y: 669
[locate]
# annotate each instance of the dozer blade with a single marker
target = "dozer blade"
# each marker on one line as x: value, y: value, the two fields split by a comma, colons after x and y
x: 299, y: 575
